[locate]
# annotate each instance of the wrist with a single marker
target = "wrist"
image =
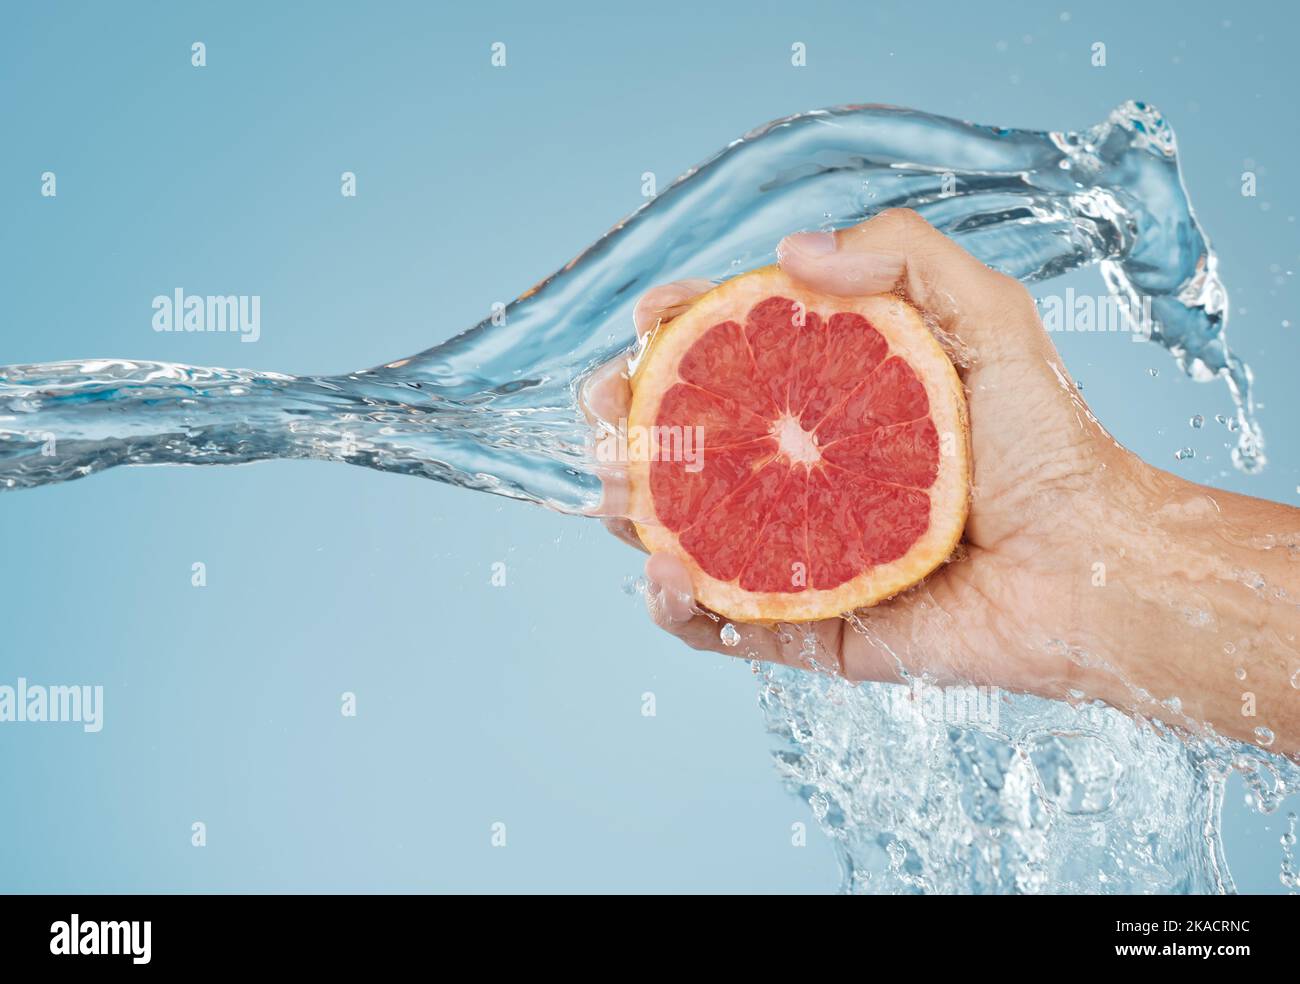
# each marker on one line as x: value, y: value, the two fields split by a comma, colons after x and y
x: 1180, y: 621
x: 1089, y: 590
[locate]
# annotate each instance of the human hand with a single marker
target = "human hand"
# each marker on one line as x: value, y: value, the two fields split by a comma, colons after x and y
x: 1079, y: 562
x: 1022, y: 470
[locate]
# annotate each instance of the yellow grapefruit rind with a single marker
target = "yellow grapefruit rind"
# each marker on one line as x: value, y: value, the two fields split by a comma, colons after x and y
x: 907, y: 335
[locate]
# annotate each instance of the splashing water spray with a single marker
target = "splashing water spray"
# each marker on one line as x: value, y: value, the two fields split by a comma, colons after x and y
x: 1054, y: 797
x: 494, y: 408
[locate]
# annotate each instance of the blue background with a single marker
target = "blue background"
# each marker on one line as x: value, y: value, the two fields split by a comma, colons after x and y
x: 477, y: 704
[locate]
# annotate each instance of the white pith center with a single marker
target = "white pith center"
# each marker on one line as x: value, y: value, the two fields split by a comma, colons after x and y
x: 796, y: 443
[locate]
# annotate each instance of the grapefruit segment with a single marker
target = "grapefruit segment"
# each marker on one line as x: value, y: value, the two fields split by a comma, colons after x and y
x: 685, y: 497
x: 891, y: 518
x: 722, y: 363
x: 722, y: 539
x: 851, y: 349
x: 902, y: 454
x: 836, y: 547
x: 833, y: 465
x: 724, y: 421
x: 891, y: 394
x: 782, y: 541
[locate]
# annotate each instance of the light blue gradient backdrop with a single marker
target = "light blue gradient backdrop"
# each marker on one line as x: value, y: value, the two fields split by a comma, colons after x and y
x: 478, y: 704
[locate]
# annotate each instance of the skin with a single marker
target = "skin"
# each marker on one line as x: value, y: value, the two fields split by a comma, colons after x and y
x: 1084, y: 571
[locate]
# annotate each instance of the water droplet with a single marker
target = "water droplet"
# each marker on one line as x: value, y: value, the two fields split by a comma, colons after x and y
x: 1295, y: 679
x: 730, y: 635
x: 1263, y: 735
x: 1153, y: 373
x: 1229, y: 648
x: 1183, y: 453
x: 1241, y: 673
x: 1197, y: 421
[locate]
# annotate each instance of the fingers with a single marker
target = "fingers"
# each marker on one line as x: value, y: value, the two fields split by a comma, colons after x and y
x: 675, y: 598
x: 625, y: 531
x: 604, y: 398
x: 669, y: 599
x: 898, y: 248
x: 665, y: 302
x: 671, y: 604
x: 606, y: 394
x: 823, y: 261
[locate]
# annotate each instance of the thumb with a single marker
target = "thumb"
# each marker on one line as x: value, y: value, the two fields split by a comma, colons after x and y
x: 899, y: 249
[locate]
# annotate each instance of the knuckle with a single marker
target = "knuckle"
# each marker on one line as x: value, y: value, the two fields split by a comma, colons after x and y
x: 906, y: 219
x: 648, y: 303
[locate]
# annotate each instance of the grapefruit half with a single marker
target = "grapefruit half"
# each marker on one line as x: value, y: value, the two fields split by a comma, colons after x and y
x: 803, y: 454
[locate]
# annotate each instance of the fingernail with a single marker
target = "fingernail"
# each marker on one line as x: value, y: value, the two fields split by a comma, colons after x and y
x: 808, y: 244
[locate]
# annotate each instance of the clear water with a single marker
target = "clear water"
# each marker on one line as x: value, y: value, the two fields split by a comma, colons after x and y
x: 1050, y: 797
x: 494, y: 407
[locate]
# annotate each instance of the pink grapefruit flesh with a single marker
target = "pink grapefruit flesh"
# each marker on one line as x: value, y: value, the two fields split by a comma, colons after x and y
x: 831, y: 464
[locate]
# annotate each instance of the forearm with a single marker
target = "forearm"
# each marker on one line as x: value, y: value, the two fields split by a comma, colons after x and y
x: 1198, y: 599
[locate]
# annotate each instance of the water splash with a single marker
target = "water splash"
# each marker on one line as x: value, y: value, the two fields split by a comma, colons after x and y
x: 494, y: 408
x: 1052, y: 797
